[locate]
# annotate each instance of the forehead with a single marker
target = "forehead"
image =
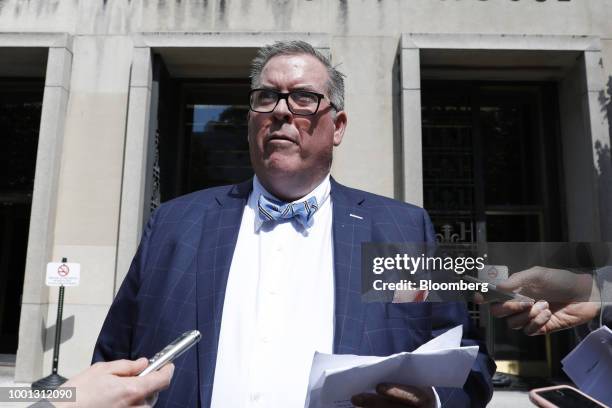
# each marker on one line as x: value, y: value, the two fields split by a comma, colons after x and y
x: 287, y: 71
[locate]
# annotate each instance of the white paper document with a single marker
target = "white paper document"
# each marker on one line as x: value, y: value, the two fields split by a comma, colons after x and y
x: 441, y: 362
x: 589, y: 365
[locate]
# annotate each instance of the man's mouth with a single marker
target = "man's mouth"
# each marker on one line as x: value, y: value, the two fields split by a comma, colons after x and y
x: 280, y: 137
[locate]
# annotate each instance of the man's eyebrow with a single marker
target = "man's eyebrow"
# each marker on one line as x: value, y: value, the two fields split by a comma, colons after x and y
x: 297, y: 88
x: 305, y: 88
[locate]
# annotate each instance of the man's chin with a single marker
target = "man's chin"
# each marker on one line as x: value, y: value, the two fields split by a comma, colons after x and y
x: 282, y: 163
x: 281, y: 171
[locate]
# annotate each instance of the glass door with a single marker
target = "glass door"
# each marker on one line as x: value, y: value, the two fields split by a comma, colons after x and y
x: 202, y: 135
x: 20, y: 109
x: 490, y: 174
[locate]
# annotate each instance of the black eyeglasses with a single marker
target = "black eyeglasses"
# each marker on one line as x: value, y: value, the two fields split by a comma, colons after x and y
x: 299, y: 102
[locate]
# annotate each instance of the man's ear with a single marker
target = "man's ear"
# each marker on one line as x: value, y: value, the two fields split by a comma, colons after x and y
x: 340, y: 122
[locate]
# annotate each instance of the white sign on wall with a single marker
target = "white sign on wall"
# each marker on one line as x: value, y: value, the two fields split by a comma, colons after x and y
x: 63, y: 274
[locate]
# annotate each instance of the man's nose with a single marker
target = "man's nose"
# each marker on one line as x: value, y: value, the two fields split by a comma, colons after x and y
x: 282, y: 111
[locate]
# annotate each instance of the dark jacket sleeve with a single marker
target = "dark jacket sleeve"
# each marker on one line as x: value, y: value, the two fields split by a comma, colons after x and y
x: 478, y: 388
x: 606, y: 316
x: 115, y: 339
x: 604, y: 280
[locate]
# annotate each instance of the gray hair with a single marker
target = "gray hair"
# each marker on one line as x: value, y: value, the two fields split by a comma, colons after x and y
x: 335, y: 83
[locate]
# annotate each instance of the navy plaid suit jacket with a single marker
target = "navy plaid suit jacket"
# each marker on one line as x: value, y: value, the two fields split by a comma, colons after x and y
x: 178, y: 278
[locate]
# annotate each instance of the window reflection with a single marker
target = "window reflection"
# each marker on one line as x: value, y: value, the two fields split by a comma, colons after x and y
x: 218, y: 147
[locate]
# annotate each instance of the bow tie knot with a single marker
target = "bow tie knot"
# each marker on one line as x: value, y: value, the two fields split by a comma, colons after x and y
x: 273, y: 210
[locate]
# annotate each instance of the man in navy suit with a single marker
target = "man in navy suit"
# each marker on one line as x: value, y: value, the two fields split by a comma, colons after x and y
x: 269, y: 270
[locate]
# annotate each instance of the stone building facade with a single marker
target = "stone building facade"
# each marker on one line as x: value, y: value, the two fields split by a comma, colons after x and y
x: 117, y: 79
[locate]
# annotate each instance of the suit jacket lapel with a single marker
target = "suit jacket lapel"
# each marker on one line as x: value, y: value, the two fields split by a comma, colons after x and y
x: 219, y: 235
x: 352, y: 226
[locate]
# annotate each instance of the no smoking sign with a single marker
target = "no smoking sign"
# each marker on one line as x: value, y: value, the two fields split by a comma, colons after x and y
x: 63, y: 274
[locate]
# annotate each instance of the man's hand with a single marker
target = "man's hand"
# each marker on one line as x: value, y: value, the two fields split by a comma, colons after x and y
x: 114, y: 384
x: 396, y: 396
x: 566, y: 300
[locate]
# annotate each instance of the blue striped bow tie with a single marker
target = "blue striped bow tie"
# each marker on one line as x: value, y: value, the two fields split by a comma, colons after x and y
x: 272, y: 210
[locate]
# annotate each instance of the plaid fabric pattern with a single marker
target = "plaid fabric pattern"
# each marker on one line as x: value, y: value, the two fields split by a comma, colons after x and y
x: 178, y: 278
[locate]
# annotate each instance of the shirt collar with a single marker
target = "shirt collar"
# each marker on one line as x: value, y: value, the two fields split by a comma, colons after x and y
x: 320, y: 192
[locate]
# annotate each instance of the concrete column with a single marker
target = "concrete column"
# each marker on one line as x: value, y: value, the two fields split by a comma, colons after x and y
x: 583, y: 128
x: 604, y: 156
x: 42, y: 220
x: 365, y: 159
x: 598, y: 119
x: 133, y: 198
x: 89, y: 192
x: 411, y: 141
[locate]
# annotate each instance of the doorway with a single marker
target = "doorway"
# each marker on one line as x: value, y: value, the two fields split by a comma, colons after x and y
x: 201, y: 132
x: 491, y: 173
x: 20, y: 110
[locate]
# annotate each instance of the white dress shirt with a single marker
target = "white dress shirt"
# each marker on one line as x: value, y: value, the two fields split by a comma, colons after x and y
x: 278, y: 308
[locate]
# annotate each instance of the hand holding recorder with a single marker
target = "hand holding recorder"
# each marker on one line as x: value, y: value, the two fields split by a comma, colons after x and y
x: 565, y: 299
x: 125, y: 383
x: 115, y: 384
